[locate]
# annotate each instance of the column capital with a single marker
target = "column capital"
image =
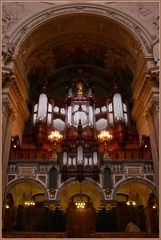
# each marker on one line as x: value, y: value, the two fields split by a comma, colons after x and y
x: 153, y: 77
x: 152, y: 110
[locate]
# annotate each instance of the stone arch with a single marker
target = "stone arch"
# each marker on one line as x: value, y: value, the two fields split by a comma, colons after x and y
x: 30, y: 25
x: 89, y: 187
x: 27, y: 180
x: 130, y: 180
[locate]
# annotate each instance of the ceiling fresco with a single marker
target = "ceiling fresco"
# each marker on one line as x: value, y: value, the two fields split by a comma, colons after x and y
x: 100, y: 47
x: 103, y: 63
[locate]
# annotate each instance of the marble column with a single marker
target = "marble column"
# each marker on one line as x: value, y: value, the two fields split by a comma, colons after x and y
x: 7, y: 119
x: 153, y: 121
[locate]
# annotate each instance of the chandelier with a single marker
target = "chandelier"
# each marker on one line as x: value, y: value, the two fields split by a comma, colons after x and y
x: 105, y: 136
x: 132, y: 198
x: 131, y: 203
x: 80, y: 203
x: 55, y: 136
x: 29, y: 201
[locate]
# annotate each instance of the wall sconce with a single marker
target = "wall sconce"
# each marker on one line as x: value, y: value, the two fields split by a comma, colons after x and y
x: 154, y: 206
x: 15, y: 143
x: 145, y: 142
x: 7, y: 206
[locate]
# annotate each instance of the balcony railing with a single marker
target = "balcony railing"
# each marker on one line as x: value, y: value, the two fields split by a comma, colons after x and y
x: 128, y: 154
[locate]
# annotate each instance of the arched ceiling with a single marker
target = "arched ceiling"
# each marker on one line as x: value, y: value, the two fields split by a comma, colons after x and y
x: 73, y: 188
x: 20, y: 189
x: 99, y: 45
x: 134, y: 188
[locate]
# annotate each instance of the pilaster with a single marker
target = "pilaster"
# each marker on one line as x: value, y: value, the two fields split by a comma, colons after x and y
x: 152, y: 116
x: 8, y: 117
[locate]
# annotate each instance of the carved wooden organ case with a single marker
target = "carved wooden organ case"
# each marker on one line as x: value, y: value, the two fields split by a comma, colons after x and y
x: 79, y: 118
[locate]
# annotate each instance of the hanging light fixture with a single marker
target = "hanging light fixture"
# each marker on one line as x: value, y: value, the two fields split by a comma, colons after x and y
x: 131, y: 203
x: 29, y: 201
x: 54, y: 137
x: 80, y: 203
x: 132, y: 198
x: 106, y: 137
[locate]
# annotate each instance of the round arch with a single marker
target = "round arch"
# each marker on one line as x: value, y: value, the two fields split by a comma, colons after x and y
x: 124, y: 43
x: 72, y: 187
x: 27, y: 180
x: 131, y: 180
x: 132, y: 25
x: 122, y: 37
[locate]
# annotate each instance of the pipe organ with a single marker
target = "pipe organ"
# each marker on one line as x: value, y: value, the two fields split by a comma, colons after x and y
x: 80, y: 118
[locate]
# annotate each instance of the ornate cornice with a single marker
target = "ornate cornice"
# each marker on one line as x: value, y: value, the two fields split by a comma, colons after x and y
x: 46, y: 16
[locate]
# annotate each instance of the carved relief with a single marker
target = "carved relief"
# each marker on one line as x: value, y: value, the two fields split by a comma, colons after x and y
x: 147, y: 11
x: 12, y: 14
x: 155, y: 49
x: 152, y: 111
x: 7, y: 17
x: 58, y: 28
x: 7, y: 49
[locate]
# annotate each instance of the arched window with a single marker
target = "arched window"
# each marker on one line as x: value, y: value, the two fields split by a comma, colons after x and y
x: 107, y: 181
x: 53, y: 178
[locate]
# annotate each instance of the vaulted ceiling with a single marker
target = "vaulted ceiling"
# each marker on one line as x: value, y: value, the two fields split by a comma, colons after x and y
x: 98, y: 45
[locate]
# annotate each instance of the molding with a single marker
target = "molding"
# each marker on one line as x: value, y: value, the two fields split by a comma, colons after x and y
x: 131, y: 179
x: 129, y: 23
